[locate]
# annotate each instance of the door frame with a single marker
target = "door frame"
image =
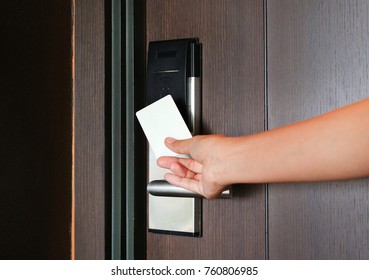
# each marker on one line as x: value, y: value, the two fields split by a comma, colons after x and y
x: 109, y: 203
x: 89, y: 169
x: 128, y: 95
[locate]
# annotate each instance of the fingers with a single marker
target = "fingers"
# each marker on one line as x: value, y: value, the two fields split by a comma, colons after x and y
x: 186, y: 183
x: 190, y: 164
x: 166, y: 162
x: 193, y: 185
x: 187, y: 172
x: 179, y: 146
x: 181, y: 171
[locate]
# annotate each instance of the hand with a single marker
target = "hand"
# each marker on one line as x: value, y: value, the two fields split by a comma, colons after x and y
x: 202, y: 173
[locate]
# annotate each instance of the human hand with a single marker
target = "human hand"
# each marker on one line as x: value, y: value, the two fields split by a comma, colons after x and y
x: 202, y: 173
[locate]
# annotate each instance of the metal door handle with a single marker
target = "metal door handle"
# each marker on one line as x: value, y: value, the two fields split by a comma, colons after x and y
x: 174, y: 68
x: 163, y: 188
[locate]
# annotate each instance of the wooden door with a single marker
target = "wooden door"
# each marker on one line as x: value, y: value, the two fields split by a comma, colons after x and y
x: 318, y: 57
x: 233, y: 103
x: 53, y: 90
x: 317, y: 60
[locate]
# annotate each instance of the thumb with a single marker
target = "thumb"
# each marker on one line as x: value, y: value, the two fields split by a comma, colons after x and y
x: 179, y: 146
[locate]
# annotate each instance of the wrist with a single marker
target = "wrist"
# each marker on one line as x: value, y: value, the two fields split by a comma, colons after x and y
x: 227, y: 155
x: 241, y: 157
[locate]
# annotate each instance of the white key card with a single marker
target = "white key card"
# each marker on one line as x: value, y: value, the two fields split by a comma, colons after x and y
x: 162, y: 119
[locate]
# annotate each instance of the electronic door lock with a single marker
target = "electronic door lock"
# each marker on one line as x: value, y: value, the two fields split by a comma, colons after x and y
x: 174, y: 109
x: 174, y: 67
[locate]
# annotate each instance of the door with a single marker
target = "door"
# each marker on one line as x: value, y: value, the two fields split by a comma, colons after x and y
x: 317, y: 60
x: 53, y: 172
x: 233, y: 104
x: 316, y: 57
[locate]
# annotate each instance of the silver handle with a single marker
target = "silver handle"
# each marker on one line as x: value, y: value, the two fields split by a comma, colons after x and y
x: 163, y: 188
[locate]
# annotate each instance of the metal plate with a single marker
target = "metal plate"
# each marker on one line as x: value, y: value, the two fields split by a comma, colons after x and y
x: 172, y: 215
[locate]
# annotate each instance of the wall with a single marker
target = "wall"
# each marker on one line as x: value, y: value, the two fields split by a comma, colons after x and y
x: 35, y: 129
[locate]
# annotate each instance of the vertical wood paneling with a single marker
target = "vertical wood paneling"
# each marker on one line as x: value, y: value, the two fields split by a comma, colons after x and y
x: 89, y: 130
x: 233, y: 104
x: 318, y: 57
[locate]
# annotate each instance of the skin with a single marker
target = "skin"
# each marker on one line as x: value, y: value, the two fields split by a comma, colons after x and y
x: 333, y: 146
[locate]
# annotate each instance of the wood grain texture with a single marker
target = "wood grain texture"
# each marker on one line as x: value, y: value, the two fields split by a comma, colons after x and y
x: 318, y: 57
x: 89, y: 130
x: 35, y: 129
x: 233, y: 104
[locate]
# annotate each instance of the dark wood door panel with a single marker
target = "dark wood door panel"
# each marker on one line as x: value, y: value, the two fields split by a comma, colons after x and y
x: 317, y: 61
x: 89, y: 128
x: 233, y: 104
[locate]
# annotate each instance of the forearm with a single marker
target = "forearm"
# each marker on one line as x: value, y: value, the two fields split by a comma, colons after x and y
x: 333, y: 146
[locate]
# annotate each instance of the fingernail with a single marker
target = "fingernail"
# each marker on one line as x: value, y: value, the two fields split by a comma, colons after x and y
x: 170, y: 140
